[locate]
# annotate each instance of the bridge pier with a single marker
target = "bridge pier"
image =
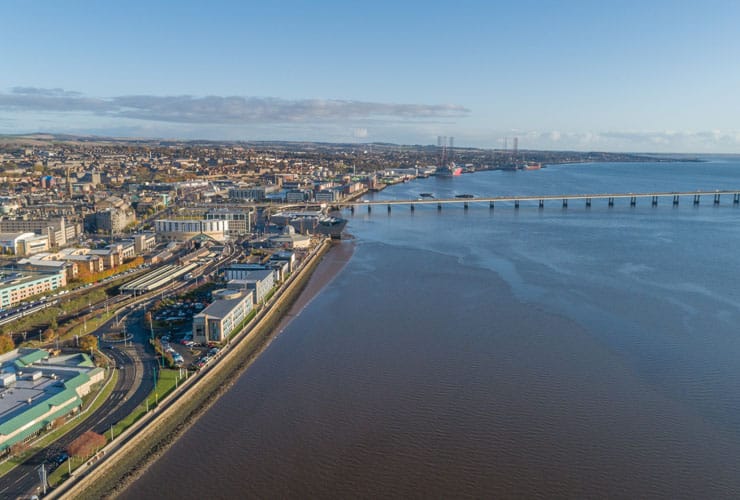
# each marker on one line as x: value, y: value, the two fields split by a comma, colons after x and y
x: 588, y: 202
x: 352, y: 209
x: 491, y: 205
x: 465, y: 205
x: 412, y: 207
x: 565, y: 202
x: 633, y: 201
x: 542, y: 203
x: 716, y: 199
x: 439, y: 206
x: 389, y: 209
x: 611, y: 201
x: 369, y: 208
x: 736, y: 198
x: 516, y: 204
x: 655, y: 201
x: 675, y: 200
x: 696, y: 199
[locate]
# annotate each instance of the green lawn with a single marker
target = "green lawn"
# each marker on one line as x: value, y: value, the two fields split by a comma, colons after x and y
x: 166, y: 381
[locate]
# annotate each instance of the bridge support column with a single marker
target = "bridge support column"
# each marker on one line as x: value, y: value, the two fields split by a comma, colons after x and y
x: 565, y: 202
x: 352, y: 209
x: 655, y: 201
x: 439, y: 206
x: 696, y: 199
x: 736, y: 198
x: 491, y: 205
x: 516, y: 204
x: 412, y: 207
x: 542, y: 203
x: 716, y: 199
x: 611, y: 201
x: 465, y: 205
x: 633, y: 201
x: 588, y: 202
x: 389, y: 209
x: 369, y: 208
x: 675, y: 199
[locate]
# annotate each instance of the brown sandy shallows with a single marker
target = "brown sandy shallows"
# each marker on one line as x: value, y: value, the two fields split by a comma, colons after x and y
x: 330, y: 266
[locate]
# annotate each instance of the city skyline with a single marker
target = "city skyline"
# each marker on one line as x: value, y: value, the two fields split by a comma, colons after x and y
x: 573, y: 75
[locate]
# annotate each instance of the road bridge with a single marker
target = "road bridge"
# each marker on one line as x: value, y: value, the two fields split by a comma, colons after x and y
x: 674, y: 197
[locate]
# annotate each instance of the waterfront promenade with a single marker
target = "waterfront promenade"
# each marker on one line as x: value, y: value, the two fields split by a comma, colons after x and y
x: 134, y: 446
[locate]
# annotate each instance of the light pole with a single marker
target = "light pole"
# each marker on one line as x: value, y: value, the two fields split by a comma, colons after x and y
x: 42, y: 476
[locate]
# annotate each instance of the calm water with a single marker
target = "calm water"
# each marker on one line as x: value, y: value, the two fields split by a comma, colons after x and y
x: 538, y: 353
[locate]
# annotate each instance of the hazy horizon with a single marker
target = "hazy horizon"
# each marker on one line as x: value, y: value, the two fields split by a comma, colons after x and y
x: 575, y: 75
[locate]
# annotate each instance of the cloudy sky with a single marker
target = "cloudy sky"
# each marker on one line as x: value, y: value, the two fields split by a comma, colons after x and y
x: 650, y: 75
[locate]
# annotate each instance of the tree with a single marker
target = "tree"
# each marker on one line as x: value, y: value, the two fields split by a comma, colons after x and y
x: 18, y: 448
x: 88, y: 342
x: 6, y: 344
x: 86, y: 445
x: 48, y: 334
x: 58, y: 422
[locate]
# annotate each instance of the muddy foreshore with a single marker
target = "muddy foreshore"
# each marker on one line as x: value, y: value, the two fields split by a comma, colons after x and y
x: 312, y: 280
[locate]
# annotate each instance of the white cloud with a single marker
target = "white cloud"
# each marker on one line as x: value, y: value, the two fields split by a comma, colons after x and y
x: 223, y: 110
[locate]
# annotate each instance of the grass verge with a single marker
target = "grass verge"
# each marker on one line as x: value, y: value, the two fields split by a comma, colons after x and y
x: 169, y: 427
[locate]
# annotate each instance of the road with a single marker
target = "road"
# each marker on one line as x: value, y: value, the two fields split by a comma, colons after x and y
x: 135, y: 382
x: 135, y: 363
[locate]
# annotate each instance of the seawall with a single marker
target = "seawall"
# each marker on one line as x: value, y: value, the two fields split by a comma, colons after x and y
x: 129, y: 455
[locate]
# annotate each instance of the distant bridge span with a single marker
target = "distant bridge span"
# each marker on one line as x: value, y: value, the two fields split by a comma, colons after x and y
x: 653, y: 197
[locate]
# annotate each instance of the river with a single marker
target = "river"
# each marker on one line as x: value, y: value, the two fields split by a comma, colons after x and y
x: 579, y: 352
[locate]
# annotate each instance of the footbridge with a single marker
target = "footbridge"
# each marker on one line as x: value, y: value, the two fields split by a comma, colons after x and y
x: 673, y: 197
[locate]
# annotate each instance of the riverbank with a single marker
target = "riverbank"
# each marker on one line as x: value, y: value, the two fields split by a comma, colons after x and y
x: 174, y: 420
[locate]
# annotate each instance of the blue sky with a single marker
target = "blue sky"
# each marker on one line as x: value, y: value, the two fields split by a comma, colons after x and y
x: 587, y: 75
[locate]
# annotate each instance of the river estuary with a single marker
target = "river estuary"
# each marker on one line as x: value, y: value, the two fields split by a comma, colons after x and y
x: 579, y: 352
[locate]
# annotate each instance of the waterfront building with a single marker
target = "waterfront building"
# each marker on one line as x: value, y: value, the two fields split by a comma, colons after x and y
x: 290, y: 239
x: 261, y: 281
x: 219, y: 320
x: 37, y: 389
x: 284, y: 256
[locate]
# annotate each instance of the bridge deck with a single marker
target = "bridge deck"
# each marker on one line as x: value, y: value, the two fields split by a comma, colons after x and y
x: 538, y: 197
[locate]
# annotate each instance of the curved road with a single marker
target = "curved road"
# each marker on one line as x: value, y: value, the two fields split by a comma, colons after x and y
x: 135, y: 381
x: 135, y: 363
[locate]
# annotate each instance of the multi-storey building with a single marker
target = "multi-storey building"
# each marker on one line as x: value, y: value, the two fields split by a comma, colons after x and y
x: 216, y: 322
x: 240, y: 220
x: 183, y: 230
x: 17, y: 285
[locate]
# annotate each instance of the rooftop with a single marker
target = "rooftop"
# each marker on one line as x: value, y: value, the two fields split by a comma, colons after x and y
x: 221, y: 308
